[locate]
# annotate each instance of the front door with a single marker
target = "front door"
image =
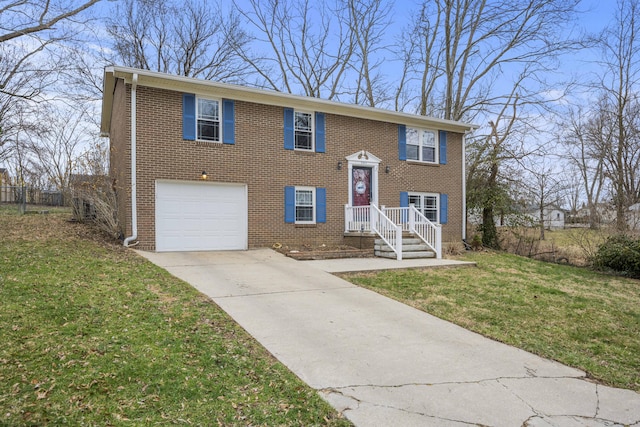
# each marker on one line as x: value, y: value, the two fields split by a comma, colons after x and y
x: 361, y: 186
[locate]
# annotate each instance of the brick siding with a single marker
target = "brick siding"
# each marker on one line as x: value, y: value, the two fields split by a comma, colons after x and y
x: 259, y: 160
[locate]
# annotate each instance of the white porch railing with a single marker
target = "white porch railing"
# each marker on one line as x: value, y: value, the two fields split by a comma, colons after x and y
x: 389, y: 223
x: 371, y: 219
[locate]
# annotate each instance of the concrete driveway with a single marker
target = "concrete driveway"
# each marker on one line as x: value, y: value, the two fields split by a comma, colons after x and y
x: 383, y: 363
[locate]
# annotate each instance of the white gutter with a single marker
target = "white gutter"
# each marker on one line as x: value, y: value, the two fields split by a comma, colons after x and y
x: 184, y: 84
x: 134, y: 206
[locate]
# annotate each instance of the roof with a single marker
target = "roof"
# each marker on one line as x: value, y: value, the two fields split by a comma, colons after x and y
x: 259, y: 96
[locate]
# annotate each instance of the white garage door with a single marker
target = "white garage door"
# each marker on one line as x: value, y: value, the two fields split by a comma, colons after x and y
x: 200, y: 216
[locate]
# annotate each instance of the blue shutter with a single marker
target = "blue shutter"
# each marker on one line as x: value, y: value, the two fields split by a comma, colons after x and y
x: 404, y: 203
x: 404, y: 199
x: 288, y: 128
x: 444, y: 208
x: 289, y: 204
x: 443, y: 147
x: 188, y: 116
x: 321, y: 205
x: 402, y: 142
x: 228, y: 122
x: 320, y: 135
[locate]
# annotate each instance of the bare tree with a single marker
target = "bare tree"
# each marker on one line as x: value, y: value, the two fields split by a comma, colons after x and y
x: 31, y: 35
x: 580, y: 139
x: 190, y: 38
x: 487, y: 186
x: 308, y: 46
x: 572, y: 189
x: 29, y: 28
x: 545, y: 189
x: 619, y: 106
x: 94, y: 160
x: 54, y: 150
x: 368, y: 21
x: 487, y: 60
x: 461, y: 50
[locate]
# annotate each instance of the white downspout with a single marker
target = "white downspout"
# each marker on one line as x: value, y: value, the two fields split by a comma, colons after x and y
x: 134, y: 206
x: 464, y: 186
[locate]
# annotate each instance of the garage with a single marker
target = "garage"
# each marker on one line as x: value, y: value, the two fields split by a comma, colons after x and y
x: 200, y: 216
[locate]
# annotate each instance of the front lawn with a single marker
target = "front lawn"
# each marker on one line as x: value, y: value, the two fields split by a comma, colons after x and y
x: 581, y: 318
x: 92, y: 334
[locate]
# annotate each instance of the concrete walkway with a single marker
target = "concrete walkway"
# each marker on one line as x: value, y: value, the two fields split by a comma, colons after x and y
x: 383, y: 363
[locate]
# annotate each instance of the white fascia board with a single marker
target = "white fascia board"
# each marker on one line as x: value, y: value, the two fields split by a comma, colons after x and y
x: 267, y: 97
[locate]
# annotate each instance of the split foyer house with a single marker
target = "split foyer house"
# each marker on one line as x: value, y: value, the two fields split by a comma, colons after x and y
x: 201, y: 165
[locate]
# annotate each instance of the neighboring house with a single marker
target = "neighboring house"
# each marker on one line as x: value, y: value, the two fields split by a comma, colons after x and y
x: 553, y: 217
x: 279, y: 168
x: 7, y: 192
x: 5, y: 180
x: 606, y: 214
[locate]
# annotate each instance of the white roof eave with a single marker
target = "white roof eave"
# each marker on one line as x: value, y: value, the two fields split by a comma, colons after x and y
x: 261, y: 96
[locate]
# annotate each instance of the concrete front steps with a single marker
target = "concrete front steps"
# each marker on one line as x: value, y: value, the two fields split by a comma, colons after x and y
x: 412, y: 248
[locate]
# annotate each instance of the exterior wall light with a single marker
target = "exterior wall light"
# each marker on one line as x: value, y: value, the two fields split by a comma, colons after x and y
x: 204, y: 175
x: 340, y: 165
x: 387, y: 169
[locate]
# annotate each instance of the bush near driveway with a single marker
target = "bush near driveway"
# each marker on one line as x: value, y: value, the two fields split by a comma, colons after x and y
x: 620, y: 254
x: 92, y: 334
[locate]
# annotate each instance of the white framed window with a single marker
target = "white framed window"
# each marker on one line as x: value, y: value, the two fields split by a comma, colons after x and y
x: 208, y: 120
x: 428, y: 204
x: 303, y: 130
x: 305, y: 203
x: 422, y: 145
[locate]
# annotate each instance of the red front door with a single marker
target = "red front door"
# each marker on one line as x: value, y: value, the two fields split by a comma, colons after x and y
x: 361, y: 186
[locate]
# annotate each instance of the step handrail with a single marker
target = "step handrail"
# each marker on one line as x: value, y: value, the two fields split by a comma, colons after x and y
x: 389, y: 232
x: 427, y: 231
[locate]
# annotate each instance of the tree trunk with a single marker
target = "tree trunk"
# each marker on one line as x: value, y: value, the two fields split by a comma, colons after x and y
x: 489, y: 232
x: 594, y: 222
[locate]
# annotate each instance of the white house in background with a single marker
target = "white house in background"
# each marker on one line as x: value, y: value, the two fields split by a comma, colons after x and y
x: 553, y: 217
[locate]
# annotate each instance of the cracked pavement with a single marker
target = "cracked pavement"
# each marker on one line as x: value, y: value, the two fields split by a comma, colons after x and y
x: 380, y: 362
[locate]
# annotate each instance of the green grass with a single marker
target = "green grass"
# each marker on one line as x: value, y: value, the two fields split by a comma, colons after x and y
x: 92, y: 334
x: 576, y: 316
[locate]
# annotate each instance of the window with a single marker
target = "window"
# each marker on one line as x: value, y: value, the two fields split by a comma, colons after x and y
x: 304, y: 131
x: 208, y: 120
x: 303, y: 128
x: 427, y: 204
x: 305, y: 205
x: 422, y: 145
